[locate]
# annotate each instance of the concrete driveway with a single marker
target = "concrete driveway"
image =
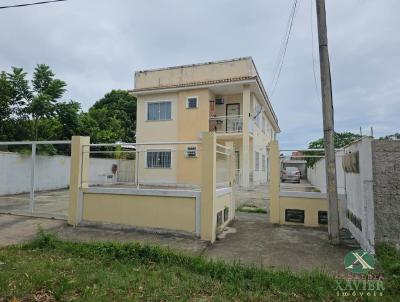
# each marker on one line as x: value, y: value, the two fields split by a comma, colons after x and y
x: 256, y: 241
x: 252, y: 241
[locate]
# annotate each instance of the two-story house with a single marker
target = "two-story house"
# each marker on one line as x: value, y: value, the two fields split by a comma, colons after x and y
x: 179, y: 103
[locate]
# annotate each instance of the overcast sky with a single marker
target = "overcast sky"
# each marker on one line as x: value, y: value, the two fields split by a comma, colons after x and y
x: 96, y: 45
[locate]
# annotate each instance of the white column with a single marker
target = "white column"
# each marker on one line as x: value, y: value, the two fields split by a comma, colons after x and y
x: 245, y: 170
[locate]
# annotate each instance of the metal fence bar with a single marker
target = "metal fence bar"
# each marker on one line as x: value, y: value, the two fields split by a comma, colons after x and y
x: 224, y: 147
x: 223, y: 153
x: 144, y: 144
x: 304, y: 150
x: 36, y: 143
x: 32, y: 191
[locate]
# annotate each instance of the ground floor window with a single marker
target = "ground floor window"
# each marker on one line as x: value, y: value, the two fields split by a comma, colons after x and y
x: 257, y: 156
x: 159, y: 159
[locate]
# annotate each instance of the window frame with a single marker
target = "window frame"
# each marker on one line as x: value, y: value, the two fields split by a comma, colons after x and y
x: 158, y: 151
x: 257, y: 161
x: 148, y: 103
x: 192, y: 97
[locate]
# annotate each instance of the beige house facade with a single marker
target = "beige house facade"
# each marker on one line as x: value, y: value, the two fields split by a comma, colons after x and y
x: 177, y: 104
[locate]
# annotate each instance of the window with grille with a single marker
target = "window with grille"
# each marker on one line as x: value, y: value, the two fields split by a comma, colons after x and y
x: 294, y: 215
x: 257, y: 156
x: 159, y: 159
x: 192, y: 102
x: 158, y: 111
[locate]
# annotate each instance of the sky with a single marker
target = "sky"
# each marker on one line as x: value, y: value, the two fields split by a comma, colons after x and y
x: 97, y: 45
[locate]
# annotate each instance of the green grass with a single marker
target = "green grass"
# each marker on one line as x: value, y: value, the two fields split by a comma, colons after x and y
x: 389, y: 262
x: 68, y: 271
x: 251, y: 209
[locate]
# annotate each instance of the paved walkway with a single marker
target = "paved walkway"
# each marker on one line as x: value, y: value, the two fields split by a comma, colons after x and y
x: 253, y: 241
x: 258, y: 242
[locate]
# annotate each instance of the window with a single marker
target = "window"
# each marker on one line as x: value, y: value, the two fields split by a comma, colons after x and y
x: 159, y: 159
x: 192, y: 102
x: 263, y: 162
x: 257, y: 156
x: 191, y: 151
x: 159, y: 111
x: 294, y: 215
x: 322, y: 217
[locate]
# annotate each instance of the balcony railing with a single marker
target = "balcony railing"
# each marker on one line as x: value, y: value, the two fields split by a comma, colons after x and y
x: 226, y: 124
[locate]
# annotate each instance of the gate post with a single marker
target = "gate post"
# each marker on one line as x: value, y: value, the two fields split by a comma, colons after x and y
x: 79, y: 174
x: 274, y: 183
x: 208, y: 187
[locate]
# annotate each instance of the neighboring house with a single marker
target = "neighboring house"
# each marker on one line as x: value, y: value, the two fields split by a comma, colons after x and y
x: 179, y: 103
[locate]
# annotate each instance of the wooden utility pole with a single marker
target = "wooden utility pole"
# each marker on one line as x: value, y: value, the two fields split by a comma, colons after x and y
x: 327, y: 107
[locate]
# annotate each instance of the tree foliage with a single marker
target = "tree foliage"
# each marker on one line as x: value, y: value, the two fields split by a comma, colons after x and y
x: 34, y: 110
x: 340, y: 140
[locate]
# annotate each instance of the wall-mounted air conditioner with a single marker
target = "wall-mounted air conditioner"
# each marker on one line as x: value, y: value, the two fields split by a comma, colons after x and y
x: 191, y: 151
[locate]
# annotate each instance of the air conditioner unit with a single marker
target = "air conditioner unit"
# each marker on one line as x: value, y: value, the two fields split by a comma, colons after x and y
x: 191, y: 152
x: 219, y: 101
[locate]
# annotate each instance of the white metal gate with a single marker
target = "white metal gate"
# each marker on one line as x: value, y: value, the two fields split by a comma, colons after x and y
x: 34, y: 178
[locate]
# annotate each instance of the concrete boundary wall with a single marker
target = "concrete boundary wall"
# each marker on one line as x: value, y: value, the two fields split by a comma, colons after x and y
x: 142, y: 209
x: 51, y: 172
x: 317, y: 174
x: 188, y: 211
x: 307, y: 203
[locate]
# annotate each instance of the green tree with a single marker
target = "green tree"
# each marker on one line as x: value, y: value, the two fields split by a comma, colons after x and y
x: 119, y: 111
x: 69, y: 120
x: 14, y: 90
x: 341, y: 140
x: 5, y: 103
x: 47, y: 90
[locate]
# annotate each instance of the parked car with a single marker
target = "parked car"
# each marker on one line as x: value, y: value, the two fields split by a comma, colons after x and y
x: 290, y: 174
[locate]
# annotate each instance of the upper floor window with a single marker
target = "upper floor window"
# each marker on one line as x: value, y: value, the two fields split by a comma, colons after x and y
x: 192, y: 102
x: 159, y: 111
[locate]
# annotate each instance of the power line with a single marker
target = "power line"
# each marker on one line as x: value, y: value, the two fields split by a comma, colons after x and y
x: 284, y: 45
x: 30, y: 4
x: 312, y: 49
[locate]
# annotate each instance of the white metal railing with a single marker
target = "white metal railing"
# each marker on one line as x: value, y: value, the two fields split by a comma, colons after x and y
x: 226, y: 124
x: 141, y: 165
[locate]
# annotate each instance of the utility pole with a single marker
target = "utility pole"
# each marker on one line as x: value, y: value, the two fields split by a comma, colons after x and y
x: 327, y: 108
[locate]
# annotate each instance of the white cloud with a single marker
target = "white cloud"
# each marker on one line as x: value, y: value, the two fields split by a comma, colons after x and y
x: 96, y: 45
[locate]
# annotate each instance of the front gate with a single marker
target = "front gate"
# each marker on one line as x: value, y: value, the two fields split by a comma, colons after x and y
x: 34, y: 178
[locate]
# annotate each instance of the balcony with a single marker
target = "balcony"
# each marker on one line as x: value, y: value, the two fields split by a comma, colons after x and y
x: 226, y: 124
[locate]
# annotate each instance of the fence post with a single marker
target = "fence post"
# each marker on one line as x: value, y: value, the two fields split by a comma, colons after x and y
x: 33, y: 179
x: 231, y: 163
x: 208, y: 188
x: 78, y: 177
x: 274, y: 183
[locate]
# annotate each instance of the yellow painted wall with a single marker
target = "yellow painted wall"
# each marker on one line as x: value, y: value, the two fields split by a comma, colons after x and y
x: 220, y: 203
x: 195, y: 73
x: 311, y: 206
x: 173, y: 213
x: 185, y: 125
